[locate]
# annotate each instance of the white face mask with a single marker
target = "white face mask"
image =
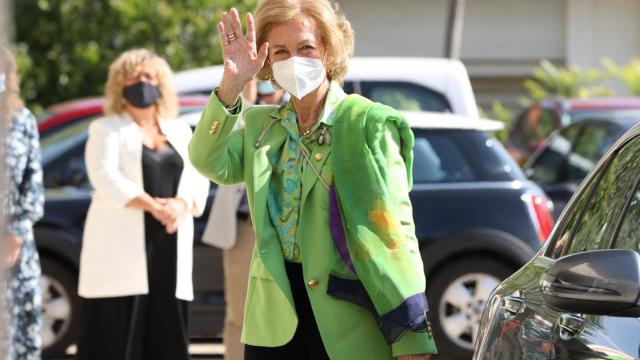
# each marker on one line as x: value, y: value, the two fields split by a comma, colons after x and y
x: 299, y: 75
x: 3, y: 85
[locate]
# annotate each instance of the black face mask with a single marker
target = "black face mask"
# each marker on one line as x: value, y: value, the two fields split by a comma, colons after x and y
x: 141, y: 94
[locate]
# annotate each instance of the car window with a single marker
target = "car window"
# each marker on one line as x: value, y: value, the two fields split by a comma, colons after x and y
x: 54, y: 144
x: 546, y: 168
x: 517, y: 134
x: 405, y: 96
x: 629, y: 235
x: 596, y: 226
x: 438, y: 158
x: 68, y: 170
x: 541, y: 127
x: 591, y: 219
x: 593, y: 143
x: 348, y: 87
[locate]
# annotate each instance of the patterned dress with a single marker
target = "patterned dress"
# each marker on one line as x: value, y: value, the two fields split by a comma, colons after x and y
x: 24, y: 205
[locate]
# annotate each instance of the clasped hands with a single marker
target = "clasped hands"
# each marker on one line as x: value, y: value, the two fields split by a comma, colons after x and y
x: 169, y: 211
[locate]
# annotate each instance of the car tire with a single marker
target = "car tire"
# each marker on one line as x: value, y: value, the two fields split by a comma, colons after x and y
x: 451, y: 313
x: 60, y: 308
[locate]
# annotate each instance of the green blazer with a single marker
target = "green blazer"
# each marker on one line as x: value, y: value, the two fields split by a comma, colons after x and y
x: 226, y: 156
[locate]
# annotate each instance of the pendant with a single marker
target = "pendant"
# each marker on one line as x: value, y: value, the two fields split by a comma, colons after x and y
x: 324, y: 137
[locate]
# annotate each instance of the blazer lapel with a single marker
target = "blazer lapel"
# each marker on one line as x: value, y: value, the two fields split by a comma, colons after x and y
x: 262, y: 169
x: 318, y: 155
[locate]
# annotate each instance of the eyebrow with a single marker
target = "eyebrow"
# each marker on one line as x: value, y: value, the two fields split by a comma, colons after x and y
x: 300, y: 43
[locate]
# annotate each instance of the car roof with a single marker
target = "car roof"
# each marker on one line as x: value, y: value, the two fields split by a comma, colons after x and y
x: 417, y: 120
x: 63, y: 112
x: 381, y: 68
x: 596, y: 103
x: 626, y: 118
x: 446, y: 76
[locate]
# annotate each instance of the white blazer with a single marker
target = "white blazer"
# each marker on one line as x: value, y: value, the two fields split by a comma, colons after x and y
x: 223, y: 218
x: 222, y: 224
x: 113, y: 260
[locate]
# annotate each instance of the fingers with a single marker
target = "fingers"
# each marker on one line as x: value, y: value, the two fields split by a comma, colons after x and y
x: 226, y: 22
x: 235, y: 23
x: 221, y: 34
x: 262, y: 54
x: 251, y: 30
x: 171, y: 227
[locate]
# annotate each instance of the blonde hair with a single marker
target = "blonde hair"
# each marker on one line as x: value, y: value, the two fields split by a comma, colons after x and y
x: 13, y: 101
x: 335, y: 31
x: 127, y: 65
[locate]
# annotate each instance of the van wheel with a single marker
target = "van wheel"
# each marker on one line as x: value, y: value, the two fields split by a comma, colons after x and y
x: 457, y: 294
x: 60, y: 308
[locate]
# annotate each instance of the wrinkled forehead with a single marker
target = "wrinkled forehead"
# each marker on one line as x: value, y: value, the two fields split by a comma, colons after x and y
x: 299, y: 29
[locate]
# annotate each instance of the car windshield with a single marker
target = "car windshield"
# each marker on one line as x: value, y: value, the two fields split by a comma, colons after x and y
x: 59, y: 142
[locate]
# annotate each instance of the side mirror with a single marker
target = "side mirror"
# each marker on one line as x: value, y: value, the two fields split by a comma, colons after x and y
x: 600, y: 282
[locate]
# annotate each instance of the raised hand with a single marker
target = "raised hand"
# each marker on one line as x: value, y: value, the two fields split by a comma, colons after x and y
x: 242, y: 60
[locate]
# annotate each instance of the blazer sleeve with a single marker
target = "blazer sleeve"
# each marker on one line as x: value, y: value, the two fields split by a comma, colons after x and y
x: 194, y: 188
x: 216, y: 149
x: 388, y: 152
x: 102, y: 157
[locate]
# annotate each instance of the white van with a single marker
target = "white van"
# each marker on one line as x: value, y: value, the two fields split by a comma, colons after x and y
x: 413, y: 84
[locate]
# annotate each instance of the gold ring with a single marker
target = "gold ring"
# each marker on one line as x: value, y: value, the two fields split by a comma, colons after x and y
x: 231, y: 37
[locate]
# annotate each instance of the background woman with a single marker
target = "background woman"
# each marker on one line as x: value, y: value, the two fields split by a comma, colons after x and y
x: 136, y: 261
x: 322, y: 161
x: 24, y: 204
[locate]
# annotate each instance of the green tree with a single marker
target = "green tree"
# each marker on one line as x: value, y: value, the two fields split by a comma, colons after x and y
x: 628, y: 74
x: 549, y: 81
x: 64, y: 47
x: 573, y: 81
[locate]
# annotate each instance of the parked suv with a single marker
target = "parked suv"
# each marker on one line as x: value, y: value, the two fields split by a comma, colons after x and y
x: 415, y: 84
x: 569, y: 154
x: 477, y: 219
x: 578, y: 297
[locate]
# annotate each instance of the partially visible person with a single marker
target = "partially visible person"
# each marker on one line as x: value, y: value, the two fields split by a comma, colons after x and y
x: 229, y: 228
x: 24, y: 206
x: 267, y: 94
x: 137, y: 252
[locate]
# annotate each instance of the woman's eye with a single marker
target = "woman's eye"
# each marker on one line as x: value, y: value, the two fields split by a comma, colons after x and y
x: 308, y: 47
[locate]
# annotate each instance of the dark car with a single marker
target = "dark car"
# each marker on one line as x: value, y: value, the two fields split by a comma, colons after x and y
x: 477, y: 219
x: 569, y: 154
x: 532, y: 127
x: 578, y: 297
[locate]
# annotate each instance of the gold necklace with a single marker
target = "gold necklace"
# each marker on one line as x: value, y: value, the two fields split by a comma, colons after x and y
x: 304, y: 131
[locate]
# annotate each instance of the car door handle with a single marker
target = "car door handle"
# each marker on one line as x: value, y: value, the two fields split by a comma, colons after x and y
x: 570, y: 325
x: 513, y: 305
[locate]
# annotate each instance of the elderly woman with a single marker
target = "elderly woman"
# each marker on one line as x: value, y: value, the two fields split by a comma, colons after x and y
x: 136, y: 261
x: 336, y: 271
x: 23, y: 205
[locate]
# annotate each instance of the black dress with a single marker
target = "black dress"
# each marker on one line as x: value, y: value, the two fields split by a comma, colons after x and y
x: 152, y: 326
